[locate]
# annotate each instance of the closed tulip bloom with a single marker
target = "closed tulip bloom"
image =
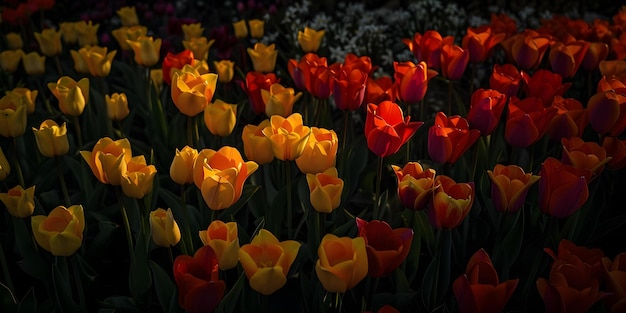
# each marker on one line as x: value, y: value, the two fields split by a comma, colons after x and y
x: 123, y: 34
x: 192, y: 93
x: 241, y: 29
x: 486, y: 107
x: 14, y: 41
x: 342, y: 262
x: 13, y: 116
x: 566, y: 58
x: 255, y: 146
x: 527, y: 48
x: 509, y: 187
x: 616, y: 149
x: 454, y: 60
x: 527, y: 121
x: 386, y: 128
x: 320, y: 152
x: 415, y: 185
x: 427, y: 47
x: 597, y: 52
x: 68, y: 32
x: 87, y: 33
x: 225, y: 70
x: 197, y: 279
x: 588, y: 156
x: 349, y: 88
x: 34, y: 64
x: 138, y: 179
x: 61, y: 232
x: 615, y: 275
x: 19, y: 202
x: 108, y: 159
x: 279, y: 100
x: 198, y: 68
x: 193, y: 30
x: 10, y: 59
x: 117, y: 106
x: 545, y: 85
x: 220, y: 117
x: 257, y: 28
x: 28, y: 97
x: 310, y: 39
x: 199, y: 46
x: 570, y: 120
x: 128, y: 16
x: 479, y: 289
x: 325, y: 190
x: 263, y: 57
x: 449, y: 138
x: 386, y: 248
x: 607, y: 113
x: 156, y: 76
x: 181, y: 169
x: 506, y: 79
x: 266, y: 261
x: 224, y: 240
x: 411, y: 80
x: 147, y: 50
x: 165, y: 231
x: 288, y: 136
x: 451, y: 202
x: 52, y: 139
x: 98, y: 60
x: 480, y: 42
x: 5, y: 167
x: 80, y: 64
x: 49, y: 41
x: 175, y: 61
x: 562, y: 188
x: 72, y: 95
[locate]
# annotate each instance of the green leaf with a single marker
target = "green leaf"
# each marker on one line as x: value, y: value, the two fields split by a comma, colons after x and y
x: 507, y: 251
x: 140, y: 278
x: 8, y: 303
x: 31, y: 262
x: 29, y: 303
x: 247, y: 193
x: 230, y: 301
x: 163, y: 286
x: 62, y: 287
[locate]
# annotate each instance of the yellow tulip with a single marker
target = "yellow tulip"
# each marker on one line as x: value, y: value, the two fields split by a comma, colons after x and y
x: 241, y: 29
x: 310, y: 39
x: 52, y: 139
x: 342, y: 262
x: 255, y: 146
x: 193, y: 30
x: 325, y: 190
x: 165, y: 230
x: 138, y: 179
x: 49, y: 41
x: 199, y: 46
x: 10, y: 59
x: 34, y: 63
x: 192, y: 93
x: 256, y: 28
x: 13, y: 113
x: 14, y: 41
x: 224, y: 240
x: 68, y: 32
x: 128, y: 16
x: 87, y: 33
x: 288, y: 136
x: 156, y: 76
x: 147, y: 50
x: 279, y: 100
x: 5, y: 167
x: 117, y: 106
x: 181, y: 169
x: 98, y: 60
x: 225, y: 70
x: 263, y: 57
x: 220, y: 117
x: 132, y: 33
x: 108, y: 159
x: 72, y: 95
x: 19, y: 202
x: 80, y: 64
x: 266, y: 261
x: 28, y: 97
x: 61, y: 232
x: 320, y: 152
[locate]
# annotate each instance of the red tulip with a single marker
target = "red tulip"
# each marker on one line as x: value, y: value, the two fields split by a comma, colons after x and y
x: 175, y: 61
x: 562, y: 188
x: 379, y: 90
x: 586, y: 156
x: 597, y: 52
x: 502, y: 23
x: 449, y: 138
x: 486, y: 107
x: 415, y: 185
x: 480, y: 41
x: 255, y: 82
x: 427, y: 47
x: 199, y: 289
x: 451, y: 202
x: 607, y: 113
x: 454, y: 60
x: 570, y: 119
x: 616, y: 149
x: 506, y: 79
x: 349, y: 88
x: 545, y: 85
x: 412, y: 80
x: 527, y: 48
x: 386, y: 129
x: 363, y: 63
x: 566, y: 58
x: 386, y: 248
x: 527, y: 121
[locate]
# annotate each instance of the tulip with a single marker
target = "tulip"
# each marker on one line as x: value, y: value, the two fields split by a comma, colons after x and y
x: 256, y: 28
x: 138, y: 179
x: 199, y: 46
x: 225, y: 70
x: 19, y: 202
x: 506, y: 79
x: 427, y: 47
x: 98, y: 60
x: 220, y: 117
x: 224, y: 240
x: 618, y: 46
x: 14, y: 41
x: 199, y: 289
x: 587, y: 156
x: 318, y: 80
x: 479, y: 289
x: 108, y: 160
x: 199, y: 67
x: 87, y: 33
x: 415, y: 185
x: 124, y: 34
x: 616, y: 149
x: 255, y: 146
x: 527, y: 121
x: 68, y: 32
x: 545, y: 85
x: 597, y: 52
x: 266, y: 261
x: 34, y: 64
x: 480, y: 42
x: 486, y: 107
x: 454, y: 60
x: 300, y: 71
x: 562, y: 188
x: 609, y: 84
x: 5, y: 167
x: 193, y: 30
x: 379, y: 90
x: 72, y: 95
x: 615, y: 274
x: 411, y: 81
x: 342, y: 262
x: 607, y: 113
x: 325, y: 190
x: 13, y: 116
x: 612, y: 68
x: 527, y: 48
x: 192, y: 93
x: 117, y: 106
x: 165, y: 231
x: 451, y: 202
x: 128, y: 16
x: 509, y: 187
x: 147, y: 50
x: 263, y: 57
x: 49, y: 42
x: 10, y: 59
x: 156, y: 76
x: 310, y: 39
x: 570, y: 120
x: 288, y: 136
x: 279, y: 100
x: 255, y: 83
x: 386, y: 248
x: 27, y: 96
x: 565, y: 59
x: 386, y: 129
x: 362, y: 63
x: 241, y: 29
x: 220, y: 175
x: 449, y: 138
x: 181, y: 169
x: 18, y: 16
x: 320, y: 152
x: 592, y: 258
x: 349, y: 88
x: 61, y: 232
x: 80, y: 64
x: 175, y: 61
x: 502, y: 23
x: 52, y: 139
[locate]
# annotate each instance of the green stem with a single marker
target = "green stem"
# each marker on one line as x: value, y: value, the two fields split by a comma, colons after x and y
x: 119, y: 125
x: 5, y: 271
x: 18, y: 167
x: 79, y: 136
x: 66, y: 195
x: 129, y: 234
x: 289, y: 208
x: 379, y: 176
x: 79, y: 283
x: 187, y: 244
x: 338, y: 302
x: 58, y: 64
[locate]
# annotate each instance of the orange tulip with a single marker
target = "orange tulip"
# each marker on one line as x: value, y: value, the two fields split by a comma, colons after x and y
x: 411, y: 80
x: 597, y: 52
x: 486, y: 107
x: 427, y: 47
x: 615, y: 276
x: 616, y: 149
x: 509, y: 187
x: 320, y: 152
x: 379, y: 90
x: 545, y: 85
x: 527, y: 48
x: 506, y: 79
x: 607, y: 113
x: 255, y: 146
x: 342, y: 262
x: 527, y: 121
x: 386, y: 128
x: 175, y: 61
x: 349, y: 88
x: 415, y: 185
x: 454, y: 60
x: 288, y: 136
x: 451, y: 202
x: 449, y: 138
x: 587, y: 156
x: 566, y: 58
x: 570, y: 120
x: 480, y: 42
x: 224, y: 240
x: 191, y: 93
x: 502, y: 23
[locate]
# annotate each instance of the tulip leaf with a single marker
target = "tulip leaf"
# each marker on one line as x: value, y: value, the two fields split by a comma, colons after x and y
x: 31, y: 262
x: 62, y: 286
x: 122, y: 304
x: 28, y: 304
x: 506, y: 252
x: 163, y: 286
x: 8, y: 303
x: 140, y: 278
x: 231, y: 299
x: 247, y: 193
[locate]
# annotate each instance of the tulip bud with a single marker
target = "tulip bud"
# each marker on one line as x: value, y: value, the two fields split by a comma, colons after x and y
x: 220, y: 118
x: 165, y: 231
x: 19, y: 202
x: 255, y: 146
x: 263, y: 57
x: 117, y: 106
x: 52, y: 139
x: 181, y: 170
x: 310, y: 39
x: 14, y: 41
x: 256, y: 28
x: 34, y: 64
x: 10, y: 59
x: 194, y: 30
x: 342, y: 262
x: 61, y: 232
x: 147, y: 50
x: 225, y: 70
x: 128, y: 16
x: 241, y: 29
x: 325, y: 190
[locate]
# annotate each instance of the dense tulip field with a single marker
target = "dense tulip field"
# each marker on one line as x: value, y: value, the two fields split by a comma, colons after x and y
x: 289, y: 156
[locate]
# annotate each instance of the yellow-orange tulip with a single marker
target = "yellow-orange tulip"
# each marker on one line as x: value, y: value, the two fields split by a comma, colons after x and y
x: 181, y: 169
x: 117, y: 106
x: 288, y: 136
x: 34, y: 63
x: 13, y: 113
x: 10, y: 59
x: 199, y: 67
x: 320, y: 152
x: 224, y: 240
x: 415, y: 185
x: 220, y: 117
x: 61, y: 232
x: 52, y: 139
x: 263, y: 57
x: 279, y: 100
x: 19, y: 202
x: 108, y: 159
x: 266, y: 261
x: 97, y: 59
x: 68, y: 32
x: 325, y: 190
x: 87, y: 33
x: 509, y: 187
x: 257, y: 28
x: 310, y: 39
x: 199, y: 46
x: 72, y: 95
x: 49, y: 41
x: 156, y: 76
x: 165, y: 230
x: 342, y: 262
x: 128, y: 16
x: 147, y: 50
x: 14, y: 41
x: 5, y: 167
x: 28, y: 97
x: 132, y: 33
x: 138, y: 179
x: 193, y: 30
x: 192, y: 93
x: 241, y: 29
x: 255, y: 146
x: 225, y: 70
